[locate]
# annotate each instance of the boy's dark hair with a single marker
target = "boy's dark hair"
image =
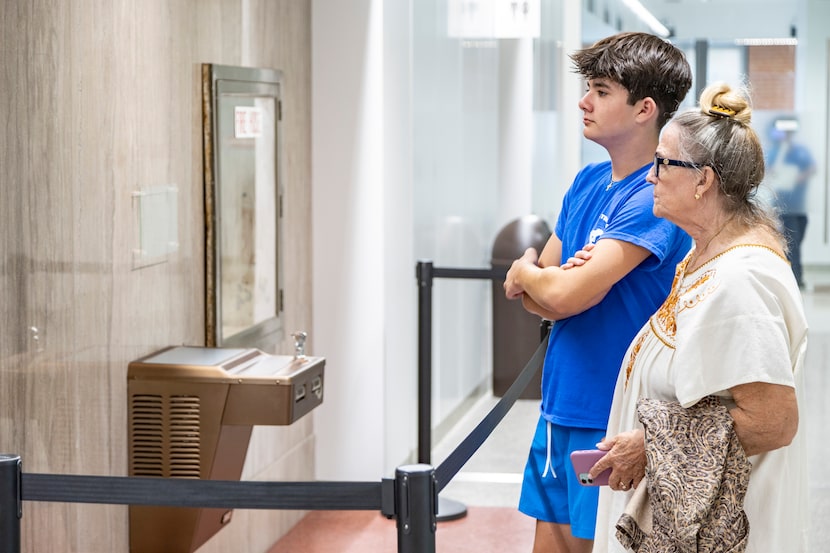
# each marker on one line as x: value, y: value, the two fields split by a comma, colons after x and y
x: 644, y: 64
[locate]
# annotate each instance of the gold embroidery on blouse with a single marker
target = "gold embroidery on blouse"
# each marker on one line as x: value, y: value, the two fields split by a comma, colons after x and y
x: 736, y: 246
x: 697, y: 291
x: 634, y: 351
x: 663, y: 324
x: 663, y: 318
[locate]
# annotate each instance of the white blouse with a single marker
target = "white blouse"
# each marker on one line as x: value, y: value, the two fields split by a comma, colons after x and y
x: 739, y: 318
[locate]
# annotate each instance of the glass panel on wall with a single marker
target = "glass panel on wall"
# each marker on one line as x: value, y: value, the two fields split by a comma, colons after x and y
x: 476, y: 157
x: 455, y: 148
x: 727, y: 63
x: 550, y: 58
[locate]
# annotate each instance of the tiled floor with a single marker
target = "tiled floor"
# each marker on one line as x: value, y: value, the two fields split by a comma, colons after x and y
x: 488, y: 485
x: 817, y: 390
x: 483, y: 529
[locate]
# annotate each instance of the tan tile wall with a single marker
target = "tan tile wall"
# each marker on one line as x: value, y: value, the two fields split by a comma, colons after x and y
x: 772, y: 74
x: 99, y: 99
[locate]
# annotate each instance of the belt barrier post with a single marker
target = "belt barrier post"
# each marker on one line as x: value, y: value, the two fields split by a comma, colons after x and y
x: 416, y: 497
x: 423, y: 273
x: 10, y: 504
x: 448, y: 509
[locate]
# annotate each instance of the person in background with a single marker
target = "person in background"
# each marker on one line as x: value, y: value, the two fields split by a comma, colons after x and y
x: 634, y: 83
x: 789, y: 168
x: 732, y: 328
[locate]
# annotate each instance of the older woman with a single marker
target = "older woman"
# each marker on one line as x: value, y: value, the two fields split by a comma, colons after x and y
x: 732, y: 328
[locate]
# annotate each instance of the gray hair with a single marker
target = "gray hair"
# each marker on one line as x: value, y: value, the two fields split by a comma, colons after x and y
x: 718, y: 134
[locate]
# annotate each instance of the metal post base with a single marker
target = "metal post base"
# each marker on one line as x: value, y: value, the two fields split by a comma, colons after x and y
x: 450, y: 509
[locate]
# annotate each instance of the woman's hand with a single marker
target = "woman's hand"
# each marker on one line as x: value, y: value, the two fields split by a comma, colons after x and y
x: 627, y: 458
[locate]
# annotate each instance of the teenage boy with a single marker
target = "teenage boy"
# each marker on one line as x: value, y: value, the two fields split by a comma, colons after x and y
x: 634, y: 84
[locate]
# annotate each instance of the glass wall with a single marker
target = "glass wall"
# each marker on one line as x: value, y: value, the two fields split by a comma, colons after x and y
x: 469, y: 183
x: 455, y: 145
x: 486, y: 150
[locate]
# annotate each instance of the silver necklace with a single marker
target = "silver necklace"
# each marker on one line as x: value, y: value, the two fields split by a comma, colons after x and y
x: 612, y: 182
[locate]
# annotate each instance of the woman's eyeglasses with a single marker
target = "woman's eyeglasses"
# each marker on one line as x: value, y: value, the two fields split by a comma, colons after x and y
x: 658, y: 161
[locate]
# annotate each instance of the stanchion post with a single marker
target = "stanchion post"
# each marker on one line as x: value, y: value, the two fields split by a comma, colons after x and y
x: 10, y: 504
x: 416, y: 495
x: 448, y: 509
x: 424, y: 274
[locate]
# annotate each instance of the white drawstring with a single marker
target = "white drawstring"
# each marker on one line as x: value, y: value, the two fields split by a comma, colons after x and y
x: 548, y: 463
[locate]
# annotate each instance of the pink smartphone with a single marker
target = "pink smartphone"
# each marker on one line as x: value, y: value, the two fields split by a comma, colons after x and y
x: 583, y: 460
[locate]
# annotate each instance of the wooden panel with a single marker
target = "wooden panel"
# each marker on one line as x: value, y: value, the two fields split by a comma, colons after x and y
x: 101, y: 100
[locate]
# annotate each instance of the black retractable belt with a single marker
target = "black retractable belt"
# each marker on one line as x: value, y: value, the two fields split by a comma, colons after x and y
x: 183, y: 492
x: 459, y: 457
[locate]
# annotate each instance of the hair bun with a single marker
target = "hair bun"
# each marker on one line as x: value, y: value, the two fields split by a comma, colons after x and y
x: 721, y: 101
x: 721, y: 111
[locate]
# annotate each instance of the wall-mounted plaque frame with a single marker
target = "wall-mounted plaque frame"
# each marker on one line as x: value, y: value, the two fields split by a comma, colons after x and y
x: 241, y: 122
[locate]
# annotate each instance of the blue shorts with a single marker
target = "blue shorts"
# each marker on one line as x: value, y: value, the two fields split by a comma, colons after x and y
x: 550, y: 489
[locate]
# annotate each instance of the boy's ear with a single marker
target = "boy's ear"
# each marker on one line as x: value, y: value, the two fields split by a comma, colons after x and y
x: 648, y: 108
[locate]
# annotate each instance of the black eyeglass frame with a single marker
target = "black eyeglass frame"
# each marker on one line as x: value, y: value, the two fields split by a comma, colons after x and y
x: 658, y: 161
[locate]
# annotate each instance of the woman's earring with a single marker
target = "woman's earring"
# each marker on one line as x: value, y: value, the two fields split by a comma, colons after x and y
x: 697, y: 196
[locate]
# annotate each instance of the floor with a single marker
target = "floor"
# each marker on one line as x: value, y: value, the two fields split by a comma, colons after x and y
x: 482, y: 529
x: 488, y: 485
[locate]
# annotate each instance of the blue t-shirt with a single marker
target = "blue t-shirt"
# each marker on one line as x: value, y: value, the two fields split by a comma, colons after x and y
x: 793, y: 199
x: 585, y: 351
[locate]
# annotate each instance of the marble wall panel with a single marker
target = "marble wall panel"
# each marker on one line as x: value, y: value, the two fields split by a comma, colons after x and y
x: 100, y: 101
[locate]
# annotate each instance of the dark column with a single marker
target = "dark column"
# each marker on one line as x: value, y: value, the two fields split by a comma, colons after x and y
x: 10, y: 504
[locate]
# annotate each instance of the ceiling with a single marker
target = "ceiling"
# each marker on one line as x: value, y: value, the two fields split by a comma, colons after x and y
x: 711, y: 19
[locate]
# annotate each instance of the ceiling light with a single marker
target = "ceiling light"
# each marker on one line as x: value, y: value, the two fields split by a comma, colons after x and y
x: 647, y: 17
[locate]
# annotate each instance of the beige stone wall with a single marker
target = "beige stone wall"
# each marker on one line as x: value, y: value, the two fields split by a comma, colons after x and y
x: 772, y: 75
x: 100, y: 99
